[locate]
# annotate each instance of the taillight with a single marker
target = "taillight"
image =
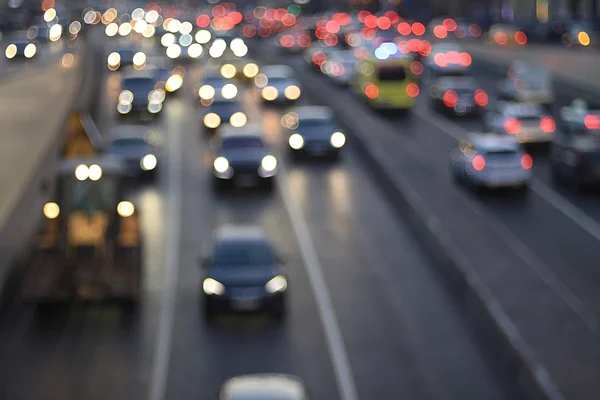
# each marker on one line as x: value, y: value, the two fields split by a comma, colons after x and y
x: 371, y: 91
x: 526, y: 161
x: 319, y: 58
x: 520, y: 37
x: 481, y: 98
x: 416, y: 68
x: 512, y: 126
x: 500, y: 38
x: 478, y: 163
x: 450, y: 98
x: 465, y: 59
x: 441, y: 60
x: 412, y: 89
x: 592, y: 121
x: 547, y: 124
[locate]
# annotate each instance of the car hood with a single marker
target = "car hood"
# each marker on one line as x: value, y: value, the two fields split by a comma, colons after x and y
x: 242, y: 275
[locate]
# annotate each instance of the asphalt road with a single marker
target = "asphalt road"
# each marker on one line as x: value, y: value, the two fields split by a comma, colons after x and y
x: 400, y: 330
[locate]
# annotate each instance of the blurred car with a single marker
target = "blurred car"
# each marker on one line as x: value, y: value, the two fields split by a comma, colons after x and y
x: 527, y: 82
x: 581, y: 33
x: 447, y: 59
x: 136, y: 144
x: 506, y: 34
x: 294, y: 41
x: 211, y: 86
x: 138, y: 95
x: 277, y: 84
x: 544, y: 32
x: 461, y: 96
x: 243, y: 158
x: 529, y: 123
x: 167, y: 79
x: 313, y: 131
x: 224, y: 111
x: 19, y: 50
x: 575, y: 149
x: 243, y: 273
x: 492, y: 161
x: 341, y: 66
x: 241, y: 68
x: 263, y: 387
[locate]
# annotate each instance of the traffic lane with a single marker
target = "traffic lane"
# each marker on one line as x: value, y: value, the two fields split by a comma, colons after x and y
x: 384, y: 317
x: 203, y: 355
x: 97, y: 351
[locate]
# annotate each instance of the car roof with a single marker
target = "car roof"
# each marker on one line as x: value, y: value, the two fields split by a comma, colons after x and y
x: 493, y: 141
x: 278, y: 71
x: 313, y: 112
x: 229, y: 233
x: 265, y: 386
x: 251, y: 130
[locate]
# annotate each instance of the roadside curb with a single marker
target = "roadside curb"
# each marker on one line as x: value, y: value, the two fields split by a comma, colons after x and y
x: 531, y: 376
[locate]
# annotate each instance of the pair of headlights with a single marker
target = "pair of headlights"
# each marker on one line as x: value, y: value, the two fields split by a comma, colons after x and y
x: 213, y: 287
x: 271, y: 93
x: 237, y: 120
x: 268, y: 163
x: 337, y: 140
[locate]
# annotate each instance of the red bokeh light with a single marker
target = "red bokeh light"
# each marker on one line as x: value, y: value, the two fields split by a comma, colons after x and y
x: 412, y: 89
x: 440, y: 60
x: 218, y: 11
x: 371, y: 21
x: 450, y: 98
x: 418, y: 29
x: 465, y: 59
x: 332, y: 26
x: 368, y: 34
x: 547, y: 124
x: 319, y: 58
x: 481, y: 98
x: 288, y: 20
x: 404, y: 28
x: 424, y: 48
x: 392, y: 16
x: 303, y: 40
x: 362, y: 15
x: 449, y: 24
x: 287, y: 40
x: 520, y: 38
x: 475, y: 30
x: 592, y: 121
x: 236, y: 17
x: 384, y: 23
x: 440, y: 32
x: 249, y: 31
x: 331, y: 40
x: 478, y: 163
x: 203, y: 20
x: 264, y: 32
x: 526, y: 161
x: 512, y: 126
x: 371, y: 91
x: 500, y: 38
x: 416, y: 68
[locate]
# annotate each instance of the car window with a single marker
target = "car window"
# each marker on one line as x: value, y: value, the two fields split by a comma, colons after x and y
x: 139, y: 85
x: 392, y: 73
x: 242, y: 254
x: 501, y: 154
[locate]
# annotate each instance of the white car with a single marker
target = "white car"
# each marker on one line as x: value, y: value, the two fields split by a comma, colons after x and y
x: 528, y: 82
x: 277, y: 84
x: 529, y: 123
x: 492, y: 161
x: 264, y: 386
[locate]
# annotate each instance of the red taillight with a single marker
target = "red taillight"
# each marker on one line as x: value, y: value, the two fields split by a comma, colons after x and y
x: 416, y: 68
x: 481, y: 98
x: 404, y: 28
x: 475, y: 30
x: 371, y: 91
x: 520, y: 37
x: 418, y: 29
x: 450, y: 98
x: 453, y: 57
x: 287, y: 40
x: 441, y: 60
x: 526, y: 161
x: 547, y: 124
x: 592, y: 121
x: 465, y: 59
x: 478, y: 163
x: 440, y: 32
x: 512, y: 126
x: 500, y: 38
x: 412, y: 89
x: 319, y: 58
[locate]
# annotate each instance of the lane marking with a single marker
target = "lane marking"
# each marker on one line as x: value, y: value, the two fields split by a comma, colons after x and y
x: 164, y: 337
x: 335, y: 341
x: 516, y: 245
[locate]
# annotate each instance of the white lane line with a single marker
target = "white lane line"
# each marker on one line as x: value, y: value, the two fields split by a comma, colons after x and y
x: 162, y: 347
x: 516, y: 245
x: 559, y: 202
x: 333, y: 334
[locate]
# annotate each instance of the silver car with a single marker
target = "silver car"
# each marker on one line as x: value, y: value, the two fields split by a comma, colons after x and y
x: 263, y: 387
x: 529, y: 123
x: 138, y: 146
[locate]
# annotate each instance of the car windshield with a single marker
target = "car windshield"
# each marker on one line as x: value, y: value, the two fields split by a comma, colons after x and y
x: 392, y: 73
x: 316, y: 125
x: 233, y: 143
x: 89, y: 195
x: 224, y: 107
x: 501, y: 155
x: 239, y: 253
x: 126, y: 54
x: 137, y: 85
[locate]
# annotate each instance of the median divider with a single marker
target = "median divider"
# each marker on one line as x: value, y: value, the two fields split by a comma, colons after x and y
x: 502, y: 334
x: 50, y: 97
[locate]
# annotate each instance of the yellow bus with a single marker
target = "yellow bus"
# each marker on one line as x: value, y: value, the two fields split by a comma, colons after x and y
x: 387, y: 84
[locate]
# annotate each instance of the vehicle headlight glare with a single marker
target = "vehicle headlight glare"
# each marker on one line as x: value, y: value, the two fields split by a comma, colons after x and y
x: 30, y: 50
x: 149, y: 162
x: 206, y: 92
x: 338, y: 139
x: 174, y: 83
x: 11, y: 51
x: 229, y: 91
x: 238, y: 119
x: 269, y: 163
x: 228, y: 71
x: 212, y: 120
x: 250, y: 70
x: 94, y: 172
x: 296, y: 141
x: 126, y: 97
x: 270, y: 93
x: 51, y: 210
x: 125, y: 209
x: 277, y: 284
x: 213, y: 287
x: 221, y: 164
x: 292, y: 92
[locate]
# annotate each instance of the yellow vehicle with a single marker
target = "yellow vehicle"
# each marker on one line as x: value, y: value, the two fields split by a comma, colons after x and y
x: 386, y: 84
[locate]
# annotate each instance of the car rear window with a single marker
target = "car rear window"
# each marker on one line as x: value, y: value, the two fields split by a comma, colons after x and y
x: 501, y: 155
x: 392, y: 73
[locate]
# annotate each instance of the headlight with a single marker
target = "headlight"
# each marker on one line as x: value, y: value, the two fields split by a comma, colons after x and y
x: 125, y: 209
x: 213, y: 287
x: 238, y: 119
x: 212, y: 120
x: 154, y: 107
x: 221, y: 164
x: 228, y: 71
x: 338, y: 140
x: 269, y: 163
x: 195, y: 50
x: 206, y: 92
x: 149, y: 162
x: 250, y: 70
x: 114, y: 60
x: 270, y: 93
x: 173, y: 51
x: 139, y: 59
x: 174, y: 83
x: 296, y: 141
x: 126, y: 97
x: 51, y: 210
x: 292, y: 92
x: 94, y: 172
x: 277, y: 284
x: 124, y: 108
x: 30, y: 50
x: 229, y: 91
x: 11, y: 51
x: 156, y: 96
